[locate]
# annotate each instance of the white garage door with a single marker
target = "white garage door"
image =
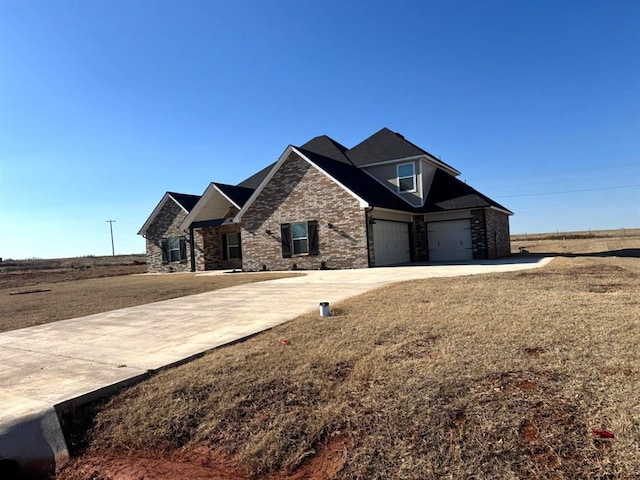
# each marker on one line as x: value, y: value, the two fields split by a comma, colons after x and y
x: 449, y: 240
x: 391, y: 242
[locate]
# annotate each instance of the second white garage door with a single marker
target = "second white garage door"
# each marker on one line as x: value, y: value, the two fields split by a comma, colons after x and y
x: 391, y: 242
x: 450, y: 240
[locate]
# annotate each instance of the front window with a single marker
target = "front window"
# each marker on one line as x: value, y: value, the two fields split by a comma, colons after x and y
x: 233, y: 245
x: 174, y: 249
x: 406, y: 177
x: 300, y: 238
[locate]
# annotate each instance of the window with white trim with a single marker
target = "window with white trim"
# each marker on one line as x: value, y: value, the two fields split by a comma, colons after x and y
x: 300, y: 236
x: 406, y: 177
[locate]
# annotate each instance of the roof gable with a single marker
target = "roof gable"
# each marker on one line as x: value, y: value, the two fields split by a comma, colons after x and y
x: 185, y: 201
x: 215, y: 202
x: 305, y: 155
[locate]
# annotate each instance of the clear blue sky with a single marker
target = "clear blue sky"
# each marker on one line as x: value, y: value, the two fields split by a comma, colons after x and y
x: 107, y: 104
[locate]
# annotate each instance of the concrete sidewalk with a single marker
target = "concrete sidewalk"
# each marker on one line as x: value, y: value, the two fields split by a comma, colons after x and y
x: 48, y: 369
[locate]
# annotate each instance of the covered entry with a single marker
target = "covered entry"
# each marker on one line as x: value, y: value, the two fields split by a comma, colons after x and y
x: 391, y: 242
x: 449, y: 240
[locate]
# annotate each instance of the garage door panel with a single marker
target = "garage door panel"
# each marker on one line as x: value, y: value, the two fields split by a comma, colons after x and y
x: 450, y: 240
x: 391, y: 243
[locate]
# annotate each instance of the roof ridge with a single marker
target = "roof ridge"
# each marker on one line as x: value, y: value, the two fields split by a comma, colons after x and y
x: 231, y: 185
x: 327, y: 147
x: 179, y: 193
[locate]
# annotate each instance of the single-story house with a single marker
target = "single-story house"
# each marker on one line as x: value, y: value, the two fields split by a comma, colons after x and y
x: 382, y: 202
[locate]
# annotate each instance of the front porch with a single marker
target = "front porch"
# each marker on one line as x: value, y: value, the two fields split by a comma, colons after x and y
x: 216, y: 246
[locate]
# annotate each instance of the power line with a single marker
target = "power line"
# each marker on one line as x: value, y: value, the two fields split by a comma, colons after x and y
x: 554, y: 172
x: 569, y: 191
x: 564, y: 180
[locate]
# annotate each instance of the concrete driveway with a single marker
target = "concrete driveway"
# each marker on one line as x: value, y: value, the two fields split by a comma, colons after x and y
x: 49, y: 369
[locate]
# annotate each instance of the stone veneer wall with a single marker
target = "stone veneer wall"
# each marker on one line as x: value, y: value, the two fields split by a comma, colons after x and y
x: 498, y: 236
x: 371, y: 254
x: 478, y: 235
x: 419, y: 236
x: 299, y: 192
x: 166, y: 225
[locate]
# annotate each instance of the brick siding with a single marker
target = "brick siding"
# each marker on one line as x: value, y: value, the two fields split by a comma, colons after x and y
x: 165, y: 225
x: 298, y: 192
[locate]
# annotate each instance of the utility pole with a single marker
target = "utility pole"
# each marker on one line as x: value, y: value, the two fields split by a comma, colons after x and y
x: 113, y: 250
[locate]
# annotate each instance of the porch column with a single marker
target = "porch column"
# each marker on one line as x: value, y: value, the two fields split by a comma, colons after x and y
x: 192, y: 243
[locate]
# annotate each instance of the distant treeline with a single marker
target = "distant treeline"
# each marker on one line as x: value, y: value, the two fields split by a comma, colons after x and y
x: 558, y: 235
x: 89, y: 261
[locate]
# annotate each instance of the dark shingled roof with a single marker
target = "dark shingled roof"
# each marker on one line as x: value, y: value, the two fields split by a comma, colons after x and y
x: 382, y: 146
x: 185, y: 200
x: 385, y: 145
x: 238, y: 195
x: 256, y: 179
x: 446, y: 192
x: 327, y: 147
x: 449, y: 193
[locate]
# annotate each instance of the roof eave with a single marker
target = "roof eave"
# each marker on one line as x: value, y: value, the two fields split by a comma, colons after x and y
x: 503, y: 210
x: 427, y: 156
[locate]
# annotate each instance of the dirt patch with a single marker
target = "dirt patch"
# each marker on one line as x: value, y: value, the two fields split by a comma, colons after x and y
x: 519, y: 381
x: 415, y: 349
x: 605, y: 287
x: 528, y: 431
x: 124, y: 466
x: 200, y: 463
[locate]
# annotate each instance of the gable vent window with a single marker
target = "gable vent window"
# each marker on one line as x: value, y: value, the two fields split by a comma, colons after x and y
x: 299, y: 238
x: 406, y: 178
x: 174, y: 249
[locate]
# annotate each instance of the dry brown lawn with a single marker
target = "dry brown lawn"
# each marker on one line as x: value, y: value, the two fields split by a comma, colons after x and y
x: 501, y: 376
x: 31, y: 297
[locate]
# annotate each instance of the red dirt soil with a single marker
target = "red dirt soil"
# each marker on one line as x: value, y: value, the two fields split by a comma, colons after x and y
x: 200, y: 463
